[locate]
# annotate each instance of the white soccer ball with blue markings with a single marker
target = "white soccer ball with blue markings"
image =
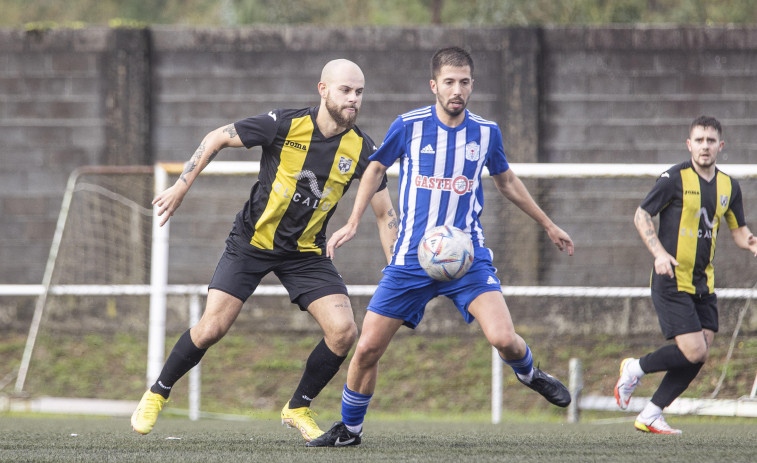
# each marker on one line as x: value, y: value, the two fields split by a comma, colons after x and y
x: 445, y: 253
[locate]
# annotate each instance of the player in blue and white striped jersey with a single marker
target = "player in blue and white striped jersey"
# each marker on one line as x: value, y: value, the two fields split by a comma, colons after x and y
x: 440, y: 174
x: 442, y: 150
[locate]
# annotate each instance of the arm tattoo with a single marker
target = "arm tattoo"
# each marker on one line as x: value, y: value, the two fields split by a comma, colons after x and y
x: 393, y: 223
x: 211, y: 157
x: 643, y: 219
x: 192, y: 163
x: 231, y: 130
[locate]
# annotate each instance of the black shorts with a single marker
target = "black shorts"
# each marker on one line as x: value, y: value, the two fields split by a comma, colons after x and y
x: 306, y: 276
x: 682, y: 313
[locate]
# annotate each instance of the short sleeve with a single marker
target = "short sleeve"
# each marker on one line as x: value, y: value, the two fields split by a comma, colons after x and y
x: 661, y: 194
x: 393, y: 146
x: 496, y: 161
x: 258, y: 130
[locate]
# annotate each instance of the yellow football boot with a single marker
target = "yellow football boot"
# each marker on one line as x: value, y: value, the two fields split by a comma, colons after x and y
x: 302, y: 419
x: 146, y: 414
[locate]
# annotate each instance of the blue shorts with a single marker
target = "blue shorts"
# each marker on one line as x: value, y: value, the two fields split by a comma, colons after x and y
x: 404, y: 291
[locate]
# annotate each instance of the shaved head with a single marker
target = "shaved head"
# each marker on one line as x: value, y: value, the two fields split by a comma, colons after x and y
x: 340, y: 69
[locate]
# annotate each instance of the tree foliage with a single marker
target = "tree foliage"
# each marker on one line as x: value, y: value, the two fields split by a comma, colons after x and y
x: 334, y: 13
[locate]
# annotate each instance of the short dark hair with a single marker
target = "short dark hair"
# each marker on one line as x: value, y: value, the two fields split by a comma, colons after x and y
x: 707, y: 121
x: 450, y: 56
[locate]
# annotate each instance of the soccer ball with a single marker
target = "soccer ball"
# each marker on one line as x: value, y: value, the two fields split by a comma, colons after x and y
x: 445, y: 253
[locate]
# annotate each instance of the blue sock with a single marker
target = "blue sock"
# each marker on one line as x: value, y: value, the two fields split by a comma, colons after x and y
x: 524, y: 365
x: 354, y: 407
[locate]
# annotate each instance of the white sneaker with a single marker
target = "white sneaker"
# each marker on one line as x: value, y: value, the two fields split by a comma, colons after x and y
x: 625, y: 386
x: 656, y: 425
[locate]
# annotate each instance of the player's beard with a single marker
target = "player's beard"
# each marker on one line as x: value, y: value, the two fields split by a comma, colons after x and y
x: 452, y: 112
x: 705, y: 163
x: 341, y: 120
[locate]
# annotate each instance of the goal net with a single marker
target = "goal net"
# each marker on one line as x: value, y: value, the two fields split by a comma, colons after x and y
x: 118, y: 289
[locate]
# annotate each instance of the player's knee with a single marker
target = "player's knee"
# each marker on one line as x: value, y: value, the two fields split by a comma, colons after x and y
x: 206, y: 334
x: 342, y: 336
x: 697, y: 354
x: 367, y: 354
x: 505, y: 342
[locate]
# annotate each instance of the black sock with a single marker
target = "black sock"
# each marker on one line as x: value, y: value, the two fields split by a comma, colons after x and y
x: 674, y: 382
x: 665, y: 358
x: 184, y: 356
x: 322, y: 365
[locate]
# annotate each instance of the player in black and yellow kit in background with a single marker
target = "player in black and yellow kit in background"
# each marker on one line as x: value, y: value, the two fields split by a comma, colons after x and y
x: 691, y: 198
x: 310, y: 157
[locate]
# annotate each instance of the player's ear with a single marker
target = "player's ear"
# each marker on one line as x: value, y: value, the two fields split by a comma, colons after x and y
x: 322, y: 90
x: 432, y: 84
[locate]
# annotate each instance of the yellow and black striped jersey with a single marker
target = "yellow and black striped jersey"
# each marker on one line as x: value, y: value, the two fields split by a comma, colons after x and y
x: 691, y: 210
x: 303, y: 175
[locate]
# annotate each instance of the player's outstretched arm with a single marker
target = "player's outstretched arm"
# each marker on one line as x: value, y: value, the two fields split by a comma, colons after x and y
x: 386, y: 221
x: 513, y: 189
x: 170, y: 199
x: 369, y: 183
x: 745, y: 239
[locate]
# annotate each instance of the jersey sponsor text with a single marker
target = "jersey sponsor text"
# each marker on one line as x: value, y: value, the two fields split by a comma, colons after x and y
x: 458, y: 185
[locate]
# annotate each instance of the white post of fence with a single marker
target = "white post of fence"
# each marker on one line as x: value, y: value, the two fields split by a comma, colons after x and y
x: 575, y: 385
x: 194, y: 374
x: 496, y: 387
x: 158, y: 283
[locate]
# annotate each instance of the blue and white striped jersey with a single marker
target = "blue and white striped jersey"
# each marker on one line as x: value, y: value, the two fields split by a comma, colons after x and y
x: 440, y: 174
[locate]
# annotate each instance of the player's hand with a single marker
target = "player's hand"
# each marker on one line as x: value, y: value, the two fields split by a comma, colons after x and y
x: 751, y: 241
x: 663, y: 265
x: 561, y: 239
x: 169, y: 200
x: 339, y: 238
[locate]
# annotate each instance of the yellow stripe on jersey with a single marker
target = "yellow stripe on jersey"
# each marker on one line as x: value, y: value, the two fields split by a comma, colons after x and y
x: 724, y: 196
x: 688, y: 232
x: 284, y: 185
x: 343, y: 167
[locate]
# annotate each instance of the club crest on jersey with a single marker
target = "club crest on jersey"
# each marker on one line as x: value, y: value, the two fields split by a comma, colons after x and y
x: 472, y: 151
x: 345, y: 164
x: 724, y: 200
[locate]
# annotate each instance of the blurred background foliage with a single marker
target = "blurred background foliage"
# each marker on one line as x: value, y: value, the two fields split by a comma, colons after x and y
x: 464, y: 13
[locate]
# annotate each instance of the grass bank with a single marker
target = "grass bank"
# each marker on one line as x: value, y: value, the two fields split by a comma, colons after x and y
x: 433, y: 375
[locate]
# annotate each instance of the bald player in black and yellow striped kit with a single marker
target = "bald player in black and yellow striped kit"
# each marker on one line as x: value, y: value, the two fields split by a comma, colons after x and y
x: 310, y: 158
x: 692, y: 198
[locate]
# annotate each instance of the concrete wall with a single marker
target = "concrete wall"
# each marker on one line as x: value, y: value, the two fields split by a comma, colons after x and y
x: 101, y: 96
x: 628, y: 94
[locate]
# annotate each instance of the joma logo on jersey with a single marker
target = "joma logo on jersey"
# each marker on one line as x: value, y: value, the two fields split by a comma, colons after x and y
x: 691, y: 192
x: 458, y: 185
x: 295, y: 145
